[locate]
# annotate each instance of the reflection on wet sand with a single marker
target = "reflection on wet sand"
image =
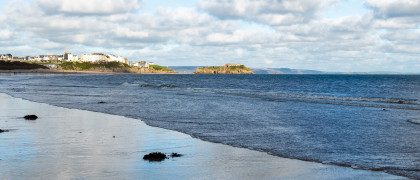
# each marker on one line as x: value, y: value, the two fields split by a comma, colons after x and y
x: 68, y: 143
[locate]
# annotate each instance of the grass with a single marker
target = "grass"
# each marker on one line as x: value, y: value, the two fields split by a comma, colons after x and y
x: 88, y: 65
x: 211, y: 68
x: 242, y: 67
x: 11, y: 65
x: 160, y: 68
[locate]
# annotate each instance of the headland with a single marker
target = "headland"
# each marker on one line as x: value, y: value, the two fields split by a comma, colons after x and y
x: 226, y: 69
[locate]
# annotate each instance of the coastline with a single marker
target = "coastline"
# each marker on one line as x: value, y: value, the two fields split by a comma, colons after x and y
x: 71, y: 143
x: 51, y: 71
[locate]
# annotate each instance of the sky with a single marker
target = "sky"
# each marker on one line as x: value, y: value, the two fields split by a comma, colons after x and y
x: 325, y: 35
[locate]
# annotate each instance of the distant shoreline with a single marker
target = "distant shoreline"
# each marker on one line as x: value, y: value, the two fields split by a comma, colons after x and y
x: 51, y: 71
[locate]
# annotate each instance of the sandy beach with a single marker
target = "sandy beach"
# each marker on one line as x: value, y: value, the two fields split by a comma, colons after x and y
x: 77, y: 144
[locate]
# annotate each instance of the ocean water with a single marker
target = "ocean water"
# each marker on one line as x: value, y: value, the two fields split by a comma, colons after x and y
x: 360, y: 121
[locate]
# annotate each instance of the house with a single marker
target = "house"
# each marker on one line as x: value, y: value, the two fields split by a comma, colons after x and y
x: 70, y: 57
x: 49, y: 57
x: 113, y: 58
x: 38, y: 59
x: 233, y: 65
x: 141, y: 64
x: 6, y: 57
x: 94, y: 57
x: 18, y: 59
x: 29, y: 58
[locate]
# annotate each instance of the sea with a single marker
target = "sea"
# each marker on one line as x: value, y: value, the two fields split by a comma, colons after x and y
x: 369, y: 122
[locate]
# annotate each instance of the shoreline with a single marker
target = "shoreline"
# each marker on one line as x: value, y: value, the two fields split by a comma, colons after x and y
x: 50, y: 71
x: 80, y: 144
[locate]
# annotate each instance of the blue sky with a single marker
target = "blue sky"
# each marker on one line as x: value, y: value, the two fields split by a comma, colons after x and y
x: 327, y: 35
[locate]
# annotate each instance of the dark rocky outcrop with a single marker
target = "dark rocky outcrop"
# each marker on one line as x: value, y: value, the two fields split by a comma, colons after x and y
x: 176, y: 155
x: 154, y: 156
x: 31, y: 117
x: 2, y: 131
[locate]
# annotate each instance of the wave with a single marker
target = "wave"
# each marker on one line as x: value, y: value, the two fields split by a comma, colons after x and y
x: 64, y: 94
x: 68, y: 86
x: 142, y: 84
x: 129, y: 84
x: 398, y: 103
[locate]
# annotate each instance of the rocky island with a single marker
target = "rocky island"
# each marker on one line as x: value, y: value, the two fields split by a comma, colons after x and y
x: 226, y: 69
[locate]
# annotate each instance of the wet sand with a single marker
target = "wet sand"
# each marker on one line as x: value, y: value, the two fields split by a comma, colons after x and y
x: 70, y: 143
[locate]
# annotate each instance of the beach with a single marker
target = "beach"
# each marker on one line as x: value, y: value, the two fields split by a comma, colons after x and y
x: 77, y: 144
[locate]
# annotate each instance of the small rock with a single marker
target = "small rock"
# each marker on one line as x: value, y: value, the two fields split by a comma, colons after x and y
x: 31, y: 117
x: 2, y: 131
x: 176, y: 155
x: 154, y: 156
x: 113, y: 136
x: 101, y: 102
x: 376, y: 169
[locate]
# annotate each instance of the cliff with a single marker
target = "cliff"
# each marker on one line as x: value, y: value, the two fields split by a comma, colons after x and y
x: 12, y: 65
x: 226, y: 69
x: 114, y: 67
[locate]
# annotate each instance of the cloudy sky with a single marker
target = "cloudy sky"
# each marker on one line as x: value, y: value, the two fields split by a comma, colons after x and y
x: 327, y: 35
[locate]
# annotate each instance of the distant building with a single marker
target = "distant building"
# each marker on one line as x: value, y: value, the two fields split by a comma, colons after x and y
x: 18, y: 59
x: 94, y: 57
x: 141, y: 64
x: 49, y: 57
x: 70, y: 57
x: 233, y: 64
x: 29, y: 58
x: 6, y: 57
x: 38, y: 59
x: 113, y: 58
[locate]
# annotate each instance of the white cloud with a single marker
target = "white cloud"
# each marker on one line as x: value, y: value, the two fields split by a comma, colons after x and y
x: 271, y: 12
x: 94, y: 7
x: 258, y: 33
x: 5, y: 34
x: 395, y: 8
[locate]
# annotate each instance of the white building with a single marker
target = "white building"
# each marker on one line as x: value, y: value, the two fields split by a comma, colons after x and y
x: 71, y: 57
x: 141, y: 64
x: 38, y: 59
x: 94, y: 57
x: 45, y: 58
x: 113, y: 58
x: 6, y: 57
